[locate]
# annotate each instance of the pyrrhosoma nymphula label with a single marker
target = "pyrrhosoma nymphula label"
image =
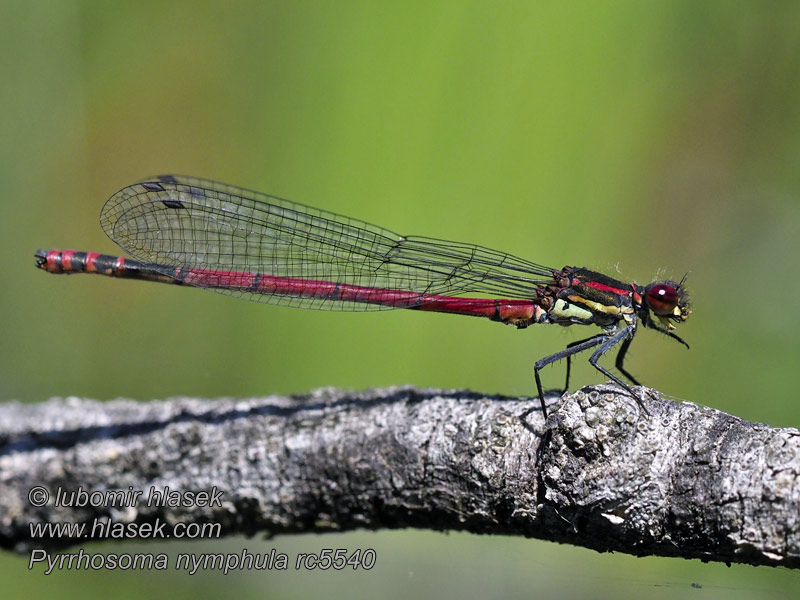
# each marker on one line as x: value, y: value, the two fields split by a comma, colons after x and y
x: 191, y: 231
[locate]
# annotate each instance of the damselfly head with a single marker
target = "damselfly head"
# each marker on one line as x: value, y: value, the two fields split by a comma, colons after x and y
x: 668, y: 300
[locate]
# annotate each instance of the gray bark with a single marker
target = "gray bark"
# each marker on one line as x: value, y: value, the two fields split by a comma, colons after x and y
x: 684, y: 481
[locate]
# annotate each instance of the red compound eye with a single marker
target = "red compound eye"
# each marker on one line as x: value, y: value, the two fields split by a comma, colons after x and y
x: 662, y: 298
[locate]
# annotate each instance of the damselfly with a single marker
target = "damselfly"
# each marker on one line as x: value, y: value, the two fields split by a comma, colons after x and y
x: 190, y: 231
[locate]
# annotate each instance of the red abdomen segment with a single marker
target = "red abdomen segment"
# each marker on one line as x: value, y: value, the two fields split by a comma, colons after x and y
x: 517, y: 312
x: 67, y: 262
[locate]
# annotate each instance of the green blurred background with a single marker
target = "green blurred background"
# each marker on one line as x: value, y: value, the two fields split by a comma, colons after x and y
x: 636, y: 138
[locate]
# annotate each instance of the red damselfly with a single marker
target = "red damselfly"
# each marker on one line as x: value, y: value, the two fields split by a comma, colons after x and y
x: 191, y: 231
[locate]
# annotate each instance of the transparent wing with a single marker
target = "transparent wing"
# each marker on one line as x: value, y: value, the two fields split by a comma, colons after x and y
x: 193, y: 223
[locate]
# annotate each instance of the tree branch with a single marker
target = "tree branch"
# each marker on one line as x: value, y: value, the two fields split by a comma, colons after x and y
x: 686, y: 481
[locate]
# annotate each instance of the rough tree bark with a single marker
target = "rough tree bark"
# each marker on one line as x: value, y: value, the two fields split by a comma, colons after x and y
x: 684, y: 481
